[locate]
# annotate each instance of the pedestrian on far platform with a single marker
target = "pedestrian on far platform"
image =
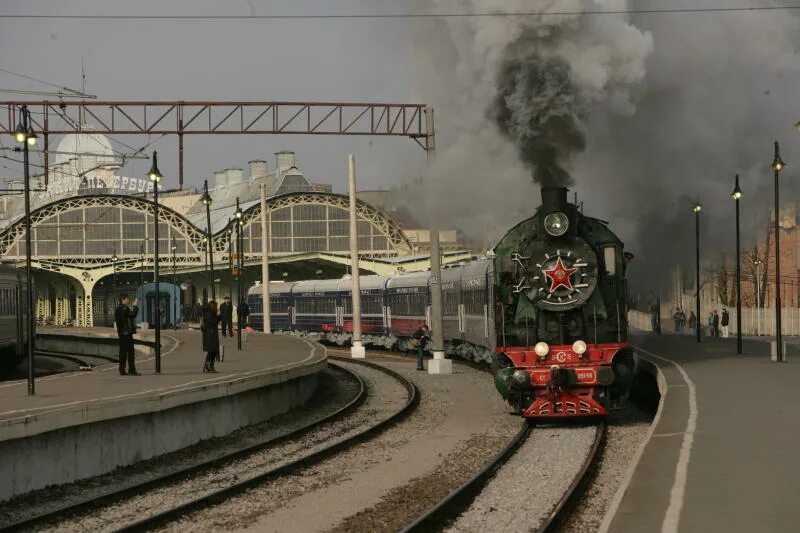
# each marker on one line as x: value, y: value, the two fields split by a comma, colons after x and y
x: 711, y: 324
x: 418, y: 340
x: 125, y: 320
x: 716, y: 323
x: 210, y: 328
x: 724, y: 321
x: 692, y: 322
x: 226, y: 317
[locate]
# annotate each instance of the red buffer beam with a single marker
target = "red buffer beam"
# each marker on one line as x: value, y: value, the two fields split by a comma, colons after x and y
x: 215, y: 118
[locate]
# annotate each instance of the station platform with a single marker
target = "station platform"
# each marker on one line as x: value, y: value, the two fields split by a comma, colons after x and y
x: 723, y: 450
x: 85, y: 423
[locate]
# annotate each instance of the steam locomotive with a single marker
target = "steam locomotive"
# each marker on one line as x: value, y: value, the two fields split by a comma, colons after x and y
x: 547, y: 311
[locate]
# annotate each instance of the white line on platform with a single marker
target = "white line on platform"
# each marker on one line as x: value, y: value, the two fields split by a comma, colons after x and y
x: 673, y: 515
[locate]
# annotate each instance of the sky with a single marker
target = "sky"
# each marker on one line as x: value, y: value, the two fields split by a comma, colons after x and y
x: 332, y: 60
x: 675, y: 104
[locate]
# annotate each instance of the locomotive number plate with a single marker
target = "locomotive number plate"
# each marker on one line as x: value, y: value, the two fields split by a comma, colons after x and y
x: 585, y: 375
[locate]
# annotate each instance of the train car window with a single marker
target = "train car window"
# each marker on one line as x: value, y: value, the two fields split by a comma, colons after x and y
x: 610, y: 259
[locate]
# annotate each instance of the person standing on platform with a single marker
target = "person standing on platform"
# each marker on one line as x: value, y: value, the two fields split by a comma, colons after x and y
x: 726, y: 318
x: 692, y: 322
x: 243, y: 314
x: 125, y: 320
x: 210, y: 328
x: 226, y: 317
x: 418, y: 340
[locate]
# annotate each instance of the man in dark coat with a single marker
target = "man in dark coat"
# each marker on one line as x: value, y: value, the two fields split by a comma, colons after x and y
x: 125, y: 320
x: 209, y: 325
x: 715, y: 321
x: 226, y: 317
x: 242, y: 313
x: 726, y: 318
x: 418, y: 340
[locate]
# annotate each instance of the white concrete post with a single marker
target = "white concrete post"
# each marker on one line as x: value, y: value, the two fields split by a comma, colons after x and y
x: 357, y: 350
x: 439, y: 365
x: 265, y: 246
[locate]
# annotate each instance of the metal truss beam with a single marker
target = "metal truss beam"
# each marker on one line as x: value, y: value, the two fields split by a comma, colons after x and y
x: 216, y: 117
x: 386, y: 226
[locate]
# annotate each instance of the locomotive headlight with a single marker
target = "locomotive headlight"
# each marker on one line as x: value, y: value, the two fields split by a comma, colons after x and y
x: 579, y: 347
x: 556, y: 224
x: 521, y: 379
x: 541, y: 349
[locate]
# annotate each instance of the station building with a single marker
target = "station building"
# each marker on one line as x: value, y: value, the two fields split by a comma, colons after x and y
x: 92, y: 232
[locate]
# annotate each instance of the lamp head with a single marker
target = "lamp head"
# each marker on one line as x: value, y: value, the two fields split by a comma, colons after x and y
x: 777, y: 163
x: 154, y: 174
x: 20, y: 134
x: 206, y: 199
x: 697, y: 208
x: 737, y: 192
x: 114, y: 258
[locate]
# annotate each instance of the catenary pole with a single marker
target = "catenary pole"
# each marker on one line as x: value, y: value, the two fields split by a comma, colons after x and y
x: 265, y: 246
x: 438, y: 365
x: 357, y: 348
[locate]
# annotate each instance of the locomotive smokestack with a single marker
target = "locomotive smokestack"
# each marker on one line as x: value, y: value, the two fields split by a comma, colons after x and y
x: 554, y: 199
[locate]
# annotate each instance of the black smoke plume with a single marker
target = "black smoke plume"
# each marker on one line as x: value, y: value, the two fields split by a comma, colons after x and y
x: 539, y: 108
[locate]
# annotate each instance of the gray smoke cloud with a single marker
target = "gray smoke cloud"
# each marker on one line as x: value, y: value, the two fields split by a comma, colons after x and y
x: 540, y: 109
x: 533, y: 81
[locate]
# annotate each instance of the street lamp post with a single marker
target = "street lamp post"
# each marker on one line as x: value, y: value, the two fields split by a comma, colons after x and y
x: 205, y: 267
x: 737, y: 195
x: 230, y: 260
x: 240, y: 265
x: 155, y: 177
x: 207, y: 201
x: 25, y: 135
x: 174, y: 260
x: 777, y: 166
x: 757, y: 263
x: 697, y: 208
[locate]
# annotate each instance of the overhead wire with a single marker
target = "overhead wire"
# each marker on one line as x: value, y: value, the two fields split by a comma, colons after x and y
x: 537, y: 13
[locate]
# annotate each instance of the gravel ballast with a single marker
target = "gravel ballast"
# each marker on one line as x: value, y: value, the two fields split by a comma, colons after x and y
x: 335, y: 389
x: 537, y: 475
x: 382, y: 484
x: 386, y: 396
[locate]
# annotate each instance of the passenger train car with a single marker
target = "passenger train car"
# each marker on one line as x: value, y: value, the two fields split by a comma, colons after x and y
x: 547, y: 310
x: 13, y: 318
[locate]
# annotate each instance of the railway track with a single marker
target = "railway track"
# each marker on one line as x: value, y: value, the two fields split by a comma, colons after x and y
x: 450, y: 508
x: 184, y: 475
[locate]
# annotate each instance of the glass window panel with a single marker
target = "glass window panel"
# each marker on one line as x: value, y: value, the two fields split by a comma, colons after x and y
x: 363, y: 227
x: 339, y: 228
x: 339, y: 244
x: 309, y: 245
x: 334, y: 213
x: 364, y: 243
x: 71, y: 247
x: 282, y: 214
x: 309, y: 229
x: 46, y: 247
x: 130, y: 216
x: 380, y: 243
x: 71, y: 216
x: 45, y: 233
x: 101, y: 247
x: 281, y: 245
x: 133, y: 231
x: 281, y: 229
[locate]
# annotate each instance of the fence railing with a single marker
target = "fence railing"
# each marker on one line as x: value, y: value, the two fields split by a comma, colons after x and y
x: 754, y: 321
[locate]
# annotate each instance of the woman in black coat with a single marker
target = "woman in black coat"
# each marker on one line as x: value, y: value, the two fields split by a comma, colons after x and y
x: 209, y: 327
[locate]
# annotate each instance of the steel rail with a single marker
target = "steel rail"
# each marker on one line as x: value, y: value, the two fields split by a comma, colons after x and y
x: 458, y: 500
x: 580, y: 483
x: 222, y: 495
x: 136, y: 488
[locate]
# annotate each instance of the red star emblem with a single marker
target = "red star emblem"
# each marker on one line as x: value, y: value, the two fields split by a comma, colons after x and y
x: 559, y: 275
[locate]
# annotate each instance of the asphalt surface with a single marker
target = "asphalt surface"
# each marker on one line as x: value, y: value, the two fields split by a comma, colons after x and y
x: 725, y: 451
